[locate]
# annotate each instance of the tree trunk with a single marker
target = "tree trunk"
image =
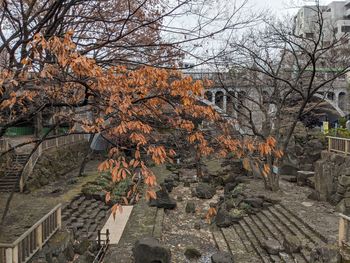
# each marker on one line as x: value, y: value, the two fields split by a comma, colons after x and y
x: 198, y: 164
x: 272, y: 180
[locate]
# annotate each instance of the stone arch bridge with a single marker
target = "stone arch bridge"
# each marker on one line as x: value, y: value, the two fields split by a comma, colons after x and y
x: 338, y: 98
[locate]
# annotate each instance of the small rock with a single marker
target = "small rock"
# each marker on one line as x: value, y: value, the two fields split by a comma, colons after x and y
x: 169, y: 184
x: 307, y: 204
x: 205, y: 191
x: 291, y: 244
x: 149, y: 250
x: 82, y: 247
x: 222, y: 257
x: 163, y: 200
x: 344, y: 180
x: 313, y: 196
x: 69, y: 253
x: 229, y: 187
x: 206, y: 179
x: 254, y: 202
x: 224, y: 219
x: 272, y: 246
x: 190, y: 207
x: 57, y: 190
x: 326, y: 254
x: 72, y: 181
x: 192, y: 253
x: 61, y: 258
x: 197, y: 226
x: 179, y: 199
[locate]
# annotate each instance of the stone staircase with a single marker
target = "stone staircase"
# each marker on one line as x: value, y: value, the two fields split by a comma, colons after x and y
x: 247, y: 238
x: 85, y: 216
x: 12, y: 173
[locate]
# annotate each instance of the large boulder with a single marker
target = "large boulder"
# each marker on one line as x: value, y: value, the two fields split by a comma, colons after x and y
x: 205, y: 191
x: 163, y: 200
x: 222, y: 257
x: 149, y: 250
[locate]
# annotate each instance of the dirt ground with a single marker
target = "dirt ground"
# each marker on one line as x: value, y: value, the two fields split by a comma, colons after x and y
x: 179, y: 232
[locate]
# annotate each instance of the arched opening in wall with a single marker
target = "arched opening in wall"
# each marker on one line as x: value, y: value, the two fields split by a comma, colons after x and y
x: 317, y: 111
x: 330, y: 95
x: 230, y: 106
x: 342, y: 101
x: 208, y: 96
x: 219, y: 99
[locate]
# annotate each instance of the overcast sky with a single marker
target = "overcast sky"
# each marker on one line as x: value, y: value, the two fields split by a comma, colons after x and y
x: 280, y: 7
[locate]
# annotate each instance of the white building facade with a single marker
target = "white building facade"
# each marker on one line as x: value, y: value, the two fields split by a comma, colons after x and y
x: 336, y: 18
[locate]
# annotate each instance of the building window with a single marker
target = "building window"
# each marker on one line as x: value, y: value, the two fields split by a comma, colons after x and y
x: 345, y: 29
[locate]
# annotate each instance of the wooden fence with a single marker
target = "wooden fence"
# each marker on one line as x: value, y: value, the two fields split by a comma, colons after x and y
x: 45, y: 145
x: 4, y: 145
x: 339, y: 145
x: 21, y: 250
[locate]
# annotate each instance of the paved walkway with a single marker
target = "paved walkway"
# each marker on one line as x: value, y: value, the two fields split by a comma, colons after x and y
x: 116, y: 226
x: 144, y: 221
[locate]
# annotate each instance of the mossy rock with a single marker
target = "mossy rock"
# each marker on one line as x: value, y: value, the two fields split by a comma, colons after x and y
x: 192, y: 253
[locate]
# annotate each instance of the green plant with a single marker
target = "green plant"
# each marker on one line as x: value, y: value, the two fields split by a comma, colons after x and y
x: 342, y: 122
x: 340, y: 132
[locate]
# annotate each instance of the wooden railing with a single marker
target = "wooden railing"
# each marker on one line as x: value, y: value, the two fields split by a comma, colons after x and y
x: 4, y: 145
x: 103, y: 244
x: 339, y: 145
x: 45, y: 145
x: 21, y: 250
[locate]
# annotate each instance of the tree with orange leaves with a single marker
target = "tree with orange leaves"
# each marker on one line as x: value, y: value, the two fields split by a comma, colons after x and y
x: 129, y: 105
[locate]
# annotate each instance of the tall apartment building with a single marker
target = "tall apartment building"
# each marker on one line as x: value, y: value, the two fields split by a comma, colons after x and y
x: 336, y: 16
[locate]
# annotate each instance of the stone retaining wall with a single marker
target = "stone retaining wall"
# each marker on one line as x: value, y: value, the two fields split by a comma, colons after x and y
x: 56, y: 163
x: 332, y: 180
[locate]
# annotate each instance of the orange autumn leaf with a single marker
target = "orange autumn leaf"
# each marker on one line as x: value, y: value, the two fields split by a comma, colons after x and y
x: 115, y: 209
x: 210, y: 214
x: 267, y: 168
x: 151, y: 195
x: 108, y: 197
x: 126, y: 202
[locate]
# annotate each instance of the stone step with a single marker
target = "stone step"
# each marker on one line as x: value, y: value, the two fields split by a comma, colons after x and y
x: 283, y: 228
x: 3, y: 183
x: 270, y: 232
x: 235, y: 245
x: 253, y: 236
x: 243, y: 237
x: 304, y: 227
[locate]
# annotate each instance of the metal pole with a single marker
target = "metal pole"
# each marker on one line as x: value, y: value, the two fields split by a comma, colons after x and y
x: 99, y: 237
x: 107, y: 236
